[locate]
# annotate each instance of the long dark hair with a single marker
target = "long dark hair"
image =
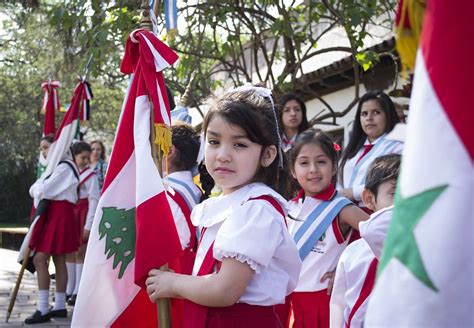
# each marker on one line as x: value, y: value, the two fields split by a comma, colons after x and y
x: 358, y: 136
x: 286, y: 98
x: 254, y: 114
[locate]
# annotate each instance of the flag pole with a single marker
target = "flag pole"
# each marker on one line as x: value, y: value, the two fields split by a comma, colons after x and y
x: 163, y: 304
x: 26, y: 258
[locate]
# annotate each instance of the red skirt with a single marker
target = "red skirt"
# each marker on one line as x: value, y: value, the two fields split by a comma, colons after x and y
x: 56, y: 232
x: 310, y: 309
x: 80, y: 213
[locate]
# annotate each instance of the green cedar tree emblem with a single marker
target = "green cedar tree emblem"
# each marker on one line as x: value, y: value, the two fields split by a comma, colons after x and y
x: 118, y: 226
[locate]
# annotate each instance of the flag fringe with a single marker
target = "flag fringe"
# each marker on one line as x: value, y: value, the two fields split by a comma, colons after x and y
x: 163, y: 137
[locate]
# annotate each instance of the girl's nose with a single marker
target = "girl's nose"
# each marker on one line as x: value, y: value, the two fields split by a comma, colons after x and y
x: 223, y: 154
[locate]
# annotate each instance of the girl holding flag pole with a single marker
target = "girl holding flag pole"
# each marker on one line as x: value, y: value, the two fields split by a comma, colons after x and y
x: 246, y: 261
x: 321, y: 222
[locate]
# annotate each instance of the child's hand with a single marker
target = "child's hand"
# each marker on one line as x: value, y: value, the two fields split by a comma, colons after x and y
x: 86, y: 235
x: 159, y: 284
x: 329, y: 275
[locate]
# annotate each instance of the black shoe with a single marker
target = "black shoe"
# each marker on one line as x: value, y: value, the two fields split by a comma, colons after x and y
x: 68, y: 297
x: 37, y: 317
x: 57, y: 313
x: 72, y: 300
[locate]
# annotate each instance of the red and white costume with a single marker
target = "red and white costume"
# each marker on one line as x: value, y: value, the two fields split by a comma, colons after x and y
x: 249, y: 226
x: 355, y: 273
x: 89, y: 195
x: 183, y: 195
x: 309, y: 301
x: 355, y: 169
x: 56, y: 231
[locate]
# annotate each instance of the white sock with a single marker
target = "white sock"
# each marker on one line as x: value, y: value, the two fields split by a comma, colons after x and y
x: 71, y: 277
x: 43, y: 301
x: 60, y: 301
x: 79, y: 267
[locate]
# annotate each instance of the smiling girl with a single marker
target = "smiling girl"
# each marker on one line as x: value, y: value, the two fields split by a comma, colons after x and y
x: 246, y: 261
x: 321, y: 221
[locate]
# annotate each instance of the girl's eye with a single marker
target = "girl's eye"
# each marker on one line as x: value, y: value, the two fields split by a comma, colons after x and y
x: 321, y: 162
x: 303, y: 163
x: 363, y: 114
x: 240, y: 145
x: 212, y: 142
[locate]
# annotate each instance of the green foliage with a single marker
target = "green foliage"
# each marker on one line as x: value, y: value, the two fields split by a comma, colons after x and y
x: 118, y: 228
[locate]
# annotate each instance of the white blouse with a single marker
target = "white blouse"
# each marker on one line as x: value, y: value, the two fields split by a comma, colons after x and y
x: 61, y: 185
x: 90, y: 190
x: 252, y: 232
x: 355, y: 171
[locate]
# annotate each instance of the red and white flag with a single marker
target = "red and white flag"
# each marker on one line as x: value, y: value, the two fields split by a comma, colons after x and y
x: 133, y: 229
x: 426, y: 273
x: 50, y: 105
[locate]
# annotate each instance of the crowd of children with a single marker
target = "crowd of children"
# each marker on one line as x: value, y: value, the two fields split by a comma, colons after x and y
x: 251, y: 258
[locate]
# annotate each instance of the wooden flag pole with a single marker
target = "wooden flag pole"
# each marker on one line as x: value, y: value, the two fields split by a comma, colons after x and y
x: 163, y: 304
x: 26, y: 258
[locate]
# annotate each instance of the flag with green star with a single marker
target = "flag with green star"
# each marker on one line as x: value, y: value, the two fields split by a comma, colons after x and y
x: 425, y: 275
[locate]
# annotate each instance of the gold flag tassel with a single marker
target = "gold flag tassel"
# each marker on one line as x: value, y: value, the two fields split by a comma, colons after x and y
x: 163, y: 138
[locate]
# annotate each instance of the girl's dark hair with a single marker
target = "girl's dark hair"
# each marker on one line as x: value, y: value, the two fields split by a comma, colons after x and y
x: 79, y: 147
x: 207, y: 183
x: 286, y: 98
x: 384, y: 168
x: 319, y: 138
x: 187, y: 143
x: 358, y: 136
x: 254, y: 114
x: 101, y: 144
x: 49, y: 138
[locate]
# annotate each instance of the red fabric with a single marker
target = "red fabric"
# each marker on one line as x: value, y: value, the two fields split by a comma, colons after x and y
x: 283, y: 312
x: 52, y: 104
x: 153, y: 235
x: 80, y: 210
x: 56, y: 231
x: 324, y: 195
x: 367, y: 148
x: 337, y: 231
x: 242, y: 315
x: 179, y: 199
x: 365, y: 291
x: 141, y: 312
x: 310, y: 309
x: 446, y: 27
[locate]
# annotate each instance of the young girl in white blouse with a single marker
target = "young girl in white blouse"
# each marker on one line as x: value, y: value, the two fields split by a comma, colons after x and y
x: 321, y: 221
x: 246, y: 261
x: 375, y: 117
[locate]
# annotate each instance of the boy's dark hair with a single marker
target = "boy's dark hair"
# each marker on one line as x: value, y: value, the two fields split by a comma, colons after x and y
x: 254, y: 114
x: 384, y: 168
x: 79, y: 147
x: 187, y: 143
x: 49, y: 138
x: 317, y: 137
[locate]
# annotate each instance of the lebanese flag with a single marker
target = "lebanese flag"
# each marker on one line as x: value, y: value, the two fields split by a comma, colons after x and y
x: 133, y: 229
x: 425, y: 276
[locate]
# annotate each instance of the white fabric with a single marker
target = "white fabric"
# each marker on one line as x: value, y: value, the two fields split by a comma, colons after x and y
x: 90, y: 190
x: 79, y: 267
x: 43, y: 301
x: 254, y: 232
x: 61, y: 185
x: 434, y: 156
x: 59, y: 301
x: 351, y: 273
x: 324, y: 255
x: 359, y: 182
x: 180, y: 220
x: 71, y: 277
x: 374, y: 230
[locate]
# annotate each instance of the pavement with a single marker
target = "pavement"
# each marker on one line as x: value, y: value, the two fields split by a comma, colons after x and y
x: 25, y: 304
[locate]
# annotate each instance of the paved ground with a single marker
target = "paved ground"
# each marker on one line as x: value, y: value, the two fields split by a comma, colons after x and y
x: 26, y: 300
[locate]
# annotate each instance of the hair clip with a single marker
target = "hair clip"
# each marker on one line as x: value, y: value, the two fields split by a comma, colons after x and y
x: 336, y: 146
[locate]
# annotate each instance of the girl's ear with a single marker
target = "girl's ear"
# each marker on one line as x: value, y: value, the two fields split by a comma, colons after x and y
x: 368, y: 198
x: 269, y: 155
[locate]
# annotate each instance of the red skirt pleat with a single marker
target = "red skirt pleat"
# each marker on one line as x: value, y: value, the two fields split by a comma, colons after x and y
x: 80, y: 213
x: 310, y: 309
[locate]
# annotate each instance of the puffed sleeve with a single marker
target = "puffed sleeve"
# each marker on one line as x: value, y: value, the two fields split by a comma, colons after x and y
x: 251, y: 234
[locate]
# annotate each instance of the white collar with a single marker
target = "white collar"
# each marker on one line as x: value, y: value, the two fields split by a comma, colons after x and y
x: 367, y: 142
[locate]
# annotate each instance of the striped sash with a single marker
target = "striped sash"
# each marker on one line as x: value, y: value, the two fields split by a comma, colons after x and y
x: 382, y: 147
x: 317, y: 222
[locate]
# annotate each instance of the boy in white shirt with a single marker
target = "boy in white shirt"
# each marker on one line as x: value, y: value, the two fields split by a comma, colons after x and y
x: 355, y: 273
